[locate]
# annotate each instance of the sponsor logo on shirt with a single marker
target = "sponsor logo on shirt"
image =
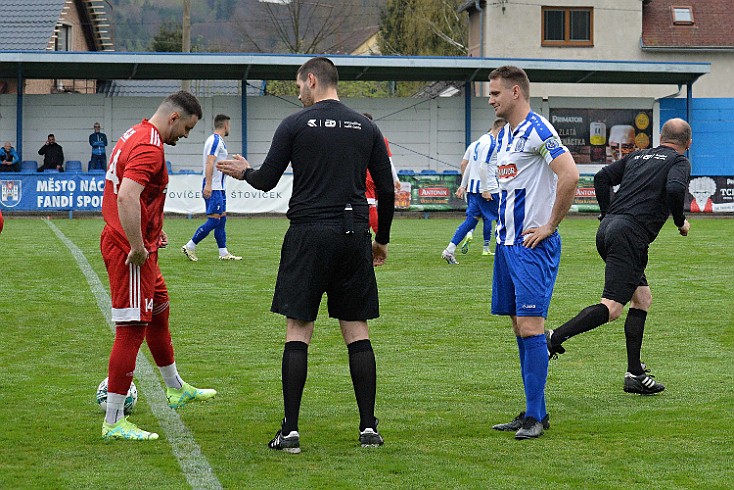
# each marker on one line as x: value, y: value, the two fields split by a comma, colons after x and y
x: 648, y: 156
x: 331, y: 123
x: 507, y: 171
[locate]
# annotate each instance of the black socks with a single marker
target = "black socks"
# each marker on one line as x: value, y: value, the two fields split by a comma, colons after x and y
x: 294, y: 370
x: 634, y: 326
x: 588, y: 319
x: 363, y: 369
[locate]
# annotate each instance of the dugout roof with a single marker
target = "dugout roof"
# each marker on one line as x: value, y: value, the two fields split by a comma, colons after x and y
x: 242, y: 66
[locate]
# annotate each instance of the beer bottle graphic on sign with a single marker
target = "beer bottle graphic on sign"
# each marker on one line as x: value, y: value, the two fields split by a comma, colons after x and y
x: 598, y: 141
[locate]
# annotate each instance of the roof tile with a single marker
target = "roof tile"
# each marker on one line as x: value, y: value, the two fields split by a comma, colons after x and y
x: 29, y: 24
x: 711, y: 28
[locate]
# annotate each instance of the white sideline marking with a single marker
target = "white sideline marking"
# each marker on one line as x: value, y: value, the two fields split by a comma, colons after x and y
x: 188, y: 453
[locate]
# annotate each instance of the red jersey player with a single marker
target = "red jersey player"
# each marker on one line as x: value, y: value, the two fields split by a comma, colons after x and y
x: 370, y: 191
x: 132, y: 207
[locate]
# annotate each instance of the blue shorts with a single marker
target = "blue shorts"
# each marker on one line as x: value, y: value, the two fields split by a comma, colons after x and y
x: 478, y: 207
x: 217, y: 204
x: 523, y: 279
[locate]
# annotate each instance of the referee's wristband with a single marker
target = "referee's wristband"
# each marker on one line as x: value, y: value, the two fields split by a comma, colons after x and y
x: 244, y: 173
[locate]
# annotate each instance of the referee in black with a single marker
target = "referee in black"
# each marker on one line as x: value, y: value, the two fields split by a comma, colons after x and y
x: 328, y: 246
x: 652, y: 185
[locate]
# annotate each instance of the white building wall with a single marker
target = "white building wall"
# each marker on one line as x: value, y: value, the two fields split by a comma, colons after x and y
x: 424, y: 134
x: 513, y: 30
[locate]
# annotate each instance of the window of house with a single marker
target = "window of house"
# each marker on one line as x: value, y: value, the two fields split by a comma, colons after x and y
x: 568, y: 26
x: 682, y: 15
x: 63, y: 38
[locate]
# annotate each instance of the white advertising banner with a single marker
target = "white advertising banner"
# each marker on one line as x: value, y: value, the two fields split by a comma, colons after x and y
x: 184, y: 196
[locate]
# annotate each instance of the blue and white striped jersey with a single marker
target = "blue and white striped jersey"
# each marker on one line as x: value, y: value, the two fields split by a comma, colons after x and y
x: 527, y: 183
x: 214, y: 145
x: 481, y: 172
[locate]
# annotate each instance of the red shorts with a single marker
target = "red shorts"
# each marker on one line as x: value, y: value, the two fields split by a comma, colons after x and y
x: 134, y: 290
x: 373, y: 218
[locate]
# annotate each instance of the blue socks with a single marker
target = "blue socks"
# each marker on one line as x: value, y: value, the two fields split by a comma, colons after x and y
x: 464, y: 228
x: 220, y: 235
x: 205, y: 229
x: 534, y: 368
x: 487, y: 230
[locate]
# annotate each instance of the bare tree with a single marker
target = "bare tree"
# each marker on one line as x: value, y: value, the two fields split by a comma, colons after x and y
x: 301, y: 26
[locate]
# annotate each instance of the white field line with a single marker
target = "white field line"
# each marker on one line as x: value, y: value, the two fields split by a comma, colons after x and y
x: 193, y: 463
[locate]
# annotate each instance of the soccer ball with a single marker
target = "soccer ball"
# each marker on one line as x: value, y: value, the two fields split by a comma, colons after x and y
x: 130, y: 400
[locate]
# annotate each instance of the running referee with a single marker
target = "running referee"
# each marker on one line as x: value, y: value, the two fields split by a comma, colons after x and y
x: 328, y: 246
x: 652, y: 185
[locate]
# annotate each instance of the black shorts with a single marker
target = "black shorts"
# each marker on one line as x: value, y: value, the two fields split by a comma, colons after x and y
x: 320, y: 258
x: 623, y: 245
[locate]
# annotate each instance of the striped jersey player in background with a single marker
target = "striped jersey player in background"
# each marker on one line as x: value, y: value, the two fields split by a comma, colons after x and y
x: 479, y: 184
x: 215, y: 198
x: 537, y: 177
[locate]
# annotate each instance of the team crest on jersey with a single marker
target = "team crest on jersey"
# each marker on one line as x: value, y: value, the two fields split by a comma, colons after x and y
x: 10, y: 192
x: 507, y: 172
x: 520, y: 144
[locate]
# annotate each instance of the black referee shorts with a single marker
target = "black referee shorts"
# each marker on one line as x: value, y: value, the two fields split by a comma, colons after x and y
x: 320, y: 258
x: 623, y: 245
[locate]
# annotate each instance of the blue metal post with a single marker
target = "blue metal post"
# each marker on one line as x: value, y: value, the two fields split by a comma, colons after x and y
x: 19, y: 115
x: 689, y: 114
x: 243, y: 106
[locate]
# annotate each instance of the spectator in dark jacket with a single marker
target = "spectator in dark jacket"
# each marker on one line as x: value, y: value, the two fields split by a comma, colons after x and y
x: 98, y: 142
x: 9, y: 159
x: 53, y: 155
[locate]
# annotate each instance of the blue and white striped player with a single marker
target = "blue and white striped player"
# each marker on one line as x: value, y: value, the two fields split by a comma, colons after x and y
x: 537, y: 177
x: 479, y: 183
x: 213, y: 191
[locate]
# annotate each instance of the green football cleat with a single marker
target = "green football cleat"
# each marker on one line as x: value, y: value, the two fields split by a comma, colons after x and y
x: 177, y: 398
x: 124, y: 429
x: 464, y: 244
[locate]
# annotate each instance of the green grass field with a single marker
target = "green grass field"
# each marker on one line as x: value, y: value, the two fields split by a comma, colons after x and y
x: 447, y: 370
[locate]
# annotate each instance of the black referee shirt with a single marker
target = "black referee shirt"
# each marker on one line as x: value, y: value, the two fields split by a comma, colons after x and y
x: 651, y: 183
x: 330, y: 147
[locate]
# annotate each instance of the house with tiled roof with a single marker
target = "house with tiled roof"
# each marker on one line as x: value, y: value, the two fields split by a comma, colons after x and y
x: 360, y: 41
x: 54, y: 25
x: 638, y: 30
x: 665, y: 31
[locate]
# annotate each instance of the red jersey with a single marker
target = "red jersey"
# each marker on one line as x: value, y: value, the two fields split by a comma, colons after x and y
x: 370, y: 191
x: 138, y: 156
